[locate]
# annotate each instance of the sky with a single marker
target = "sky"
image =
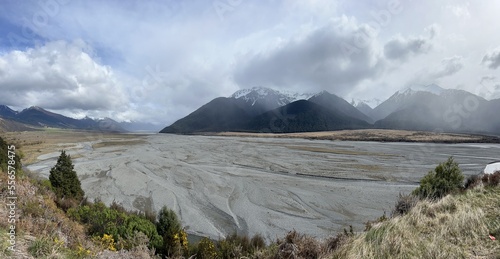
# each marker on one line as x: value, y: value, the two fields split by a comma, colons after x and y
x: 158, y: 60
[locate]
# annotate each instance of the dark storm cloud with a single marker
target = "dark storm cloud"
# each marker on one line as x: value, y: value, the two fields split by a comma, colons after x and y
x: 492, y: 59
x: 400, y: 48
x: 448, y: 67
x: 335, y: 57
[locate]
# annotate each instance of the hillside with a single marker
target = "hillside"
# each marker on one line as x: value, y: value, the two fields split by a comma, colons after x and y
x: 303, y: 116
x: 265, y: 110
x: 36, y: 117
x: 220, y: 114
x: 337, y: 104
x: 458, y: 226
x: 10, y: 125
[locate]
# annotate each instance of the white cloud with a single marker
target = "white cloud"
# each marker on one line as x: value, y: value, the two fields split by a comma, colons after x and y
x: 461, y: 10
x: 292, y: 45
x: 58, y: 76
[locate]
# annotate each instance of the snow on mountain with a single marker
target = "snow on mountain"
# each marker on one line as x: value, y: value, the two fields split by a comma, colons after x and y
x: 372, y: 103
x: 297, y: 96
x: 432, y: 88
x: 261, y: 93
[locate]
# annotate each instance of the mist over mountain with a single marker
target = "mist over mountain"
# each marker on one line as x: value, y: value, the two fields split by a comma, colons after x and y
x: 337, y: 104
x: 365, y: 109
x: 448, y: 110
x: 258, y: 100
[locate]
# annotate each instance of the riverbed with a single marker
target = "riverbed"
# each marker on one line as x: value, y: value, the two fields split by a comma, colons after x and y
x: 222, y: 185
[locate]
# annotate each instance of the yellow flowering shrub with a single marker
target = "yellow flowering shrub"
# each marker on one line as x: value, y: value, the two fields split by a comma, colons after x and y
x: 106, y: 242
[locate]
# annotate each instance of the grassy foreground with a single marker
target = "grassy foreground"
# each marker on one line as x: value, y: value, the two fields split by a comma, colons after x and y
x: 457, y: 226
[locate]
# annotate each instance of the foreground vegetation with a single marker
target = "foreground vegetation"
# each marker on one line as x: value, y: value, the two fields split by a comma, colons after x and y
x: 442, y: 218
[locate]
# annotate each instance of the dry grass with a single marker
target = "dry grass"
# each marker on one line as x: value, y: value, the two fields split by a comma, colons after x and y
x: 36, y: 143
x: 375, y: 135
x: 44, y: 231
x: 41, y: 227
x: 350, y: 152
x: 118, y: 143
x: 455, y: 227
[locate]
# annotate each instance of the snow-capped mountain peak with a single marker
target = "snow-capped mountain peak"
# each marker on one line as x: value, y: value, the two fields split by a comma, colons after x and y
x: 255, y: 94
x: 432, y: 88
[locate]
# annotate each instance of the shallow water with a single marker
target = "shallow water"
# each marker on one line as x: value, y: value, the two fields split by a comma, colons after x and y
x: 221, y: 185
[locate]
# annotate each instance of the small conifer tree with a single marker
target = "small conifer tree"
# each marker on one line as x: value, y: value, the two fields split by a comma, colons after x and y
x: 64, y: 180
x: 168, y: 227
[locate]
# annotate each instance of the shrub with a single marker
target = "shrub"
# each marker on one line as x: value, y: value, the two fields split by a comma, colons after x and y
x: 105, y: 242
x: 235, y: 246
x: 122, y: 225
x: 33, y: 209
x: 206, y: 249
x: 257, y: 242
x: 40, y: 247
x: 491, y: 180
x: 445, y: 178
x: 404, y: 204
x: 471, y: 182
x: 64, y: 180
x: 296, y: 245
x: 495, y: 179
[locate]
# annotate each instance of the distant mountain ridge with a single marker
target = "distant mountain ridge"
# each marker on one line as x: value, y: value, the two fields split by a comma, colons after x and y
x: 35, y: 116
x: 419, y: 107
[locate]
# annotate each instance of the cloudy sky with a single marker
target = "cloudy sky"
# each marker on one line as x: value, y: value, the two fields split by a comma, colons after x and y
x: 158, y: 60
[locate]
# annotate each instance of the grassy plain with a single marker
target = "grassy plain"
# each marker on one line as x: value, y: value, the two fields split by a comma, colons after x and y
x: 36, y: 143
x: 376, y: 135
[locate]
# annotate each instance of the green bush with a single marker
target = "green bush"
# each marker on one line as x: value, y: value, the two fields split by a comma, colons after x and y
x: 446, y: 178
x: 120, y: 224
x: 206, y: 249
x: 235, y: 246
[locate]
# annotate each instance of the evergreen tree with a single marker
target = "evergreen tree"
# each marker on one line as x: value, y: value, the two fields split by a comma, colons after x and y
x: 64, y: 180
x: 168, y: 227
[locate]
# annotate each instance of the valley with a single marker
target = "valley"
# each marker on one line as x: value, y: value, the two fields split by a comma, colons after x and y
x: 224, y: 184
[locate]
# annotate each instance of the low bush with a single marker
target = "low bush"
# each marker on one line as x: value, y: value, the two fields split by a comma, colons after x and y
x: 444, y: 179
x: 206, y: 249
x: 102, y: 220
x: 471, y: 182
x: 235, y: 246
x: 404, y: 204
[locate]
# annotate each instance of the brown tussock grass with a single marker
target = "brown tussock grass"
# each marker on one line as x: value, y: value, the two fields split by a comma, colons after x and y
x: 458, y: 226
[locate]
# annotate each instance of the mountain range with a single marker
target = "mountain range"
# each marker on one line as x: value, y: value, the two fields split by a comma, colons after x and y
x: 259, y: 109
x: 37, y: 117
